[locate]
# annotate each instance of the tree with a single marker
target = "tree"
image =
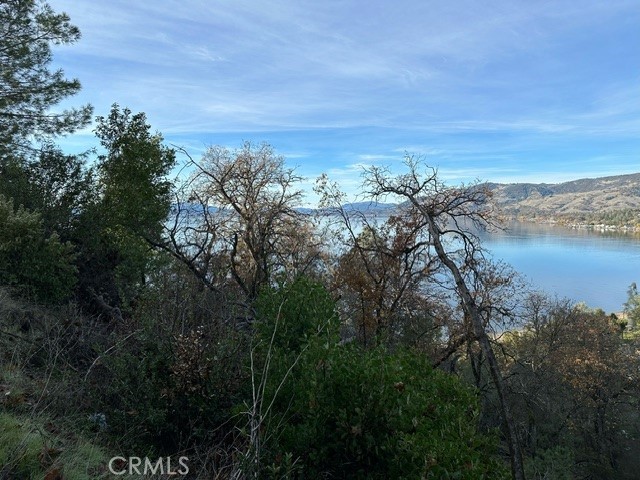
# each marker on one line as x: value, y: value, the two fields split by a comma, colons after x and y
x: 57, y: 186
x: 118, y: 229
x: 380, y: 272
x: 238, y: 213
x: 593, y: 361
x: 62, y: 188
x: 574, y: 388
x: 379, y: 281
x: 15, y: 181
x: 133, y: 174
x: 447, y: 214
x: 28, y: 88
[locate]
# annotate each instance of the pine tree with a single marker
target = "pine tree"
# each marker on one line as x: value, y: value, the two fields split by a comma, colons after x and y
x: 28, y: 87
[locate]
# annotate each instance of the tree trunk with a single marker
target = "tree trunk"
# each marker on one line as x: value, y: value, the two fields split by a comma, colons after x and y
x: 471, y: 309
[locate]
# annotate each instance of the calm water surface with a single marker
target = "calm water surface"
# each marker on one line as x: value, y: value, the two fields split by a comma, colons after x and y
x: 593, y: 267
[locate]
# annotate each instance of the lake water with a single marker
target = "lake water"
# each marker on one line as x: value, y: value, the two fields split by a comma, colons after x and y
x: 588, y: 266
x: 584, y: 266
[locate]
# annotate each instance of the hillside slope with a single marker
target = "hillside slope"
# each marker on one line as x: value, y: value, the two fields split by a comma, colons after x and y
x: 578, y: 197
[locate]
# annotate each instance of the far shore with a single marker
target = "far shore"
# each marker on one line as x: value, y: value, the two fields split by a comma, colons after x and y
x: 596, y: 227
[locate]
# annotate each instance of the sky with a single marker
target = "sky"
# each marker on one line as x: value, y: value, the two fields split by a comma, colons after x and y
x: 498, y: 90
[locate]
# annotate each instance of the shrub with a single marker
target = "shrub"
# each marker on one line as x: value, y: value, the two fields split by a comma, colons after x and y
x: 341, y: 411
x: 355, y: 413
x: 174, y: 372
x: 295, y: 313
x: 31, y: 262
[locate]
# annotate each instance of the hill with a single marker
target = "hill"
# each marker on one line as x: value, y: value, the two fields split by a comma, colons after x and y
x: 576, y: 198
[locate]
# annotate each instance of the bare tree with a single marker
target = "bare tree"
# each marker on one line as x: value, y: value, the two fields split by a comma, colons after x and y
x: 380, y: 270
x: 576, y: 384
x: 448, y: 214
x: 192, y: 236
x: 236, y: 219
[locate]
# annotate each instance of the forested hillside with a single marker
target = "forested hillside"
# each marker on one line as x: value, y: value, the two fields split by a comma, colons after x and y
x: 204, y: 325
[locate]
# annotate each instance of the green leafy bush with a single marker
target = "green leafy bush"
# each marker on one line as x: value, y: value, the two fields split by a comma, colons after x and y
x: 341, y: 411
x: 33, y: 263
x: 354, y: 413
x: 295, y: 313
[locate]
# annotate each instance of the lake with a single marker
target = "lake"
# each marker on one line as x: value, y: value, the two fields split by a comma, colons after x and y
x: 582, y: 265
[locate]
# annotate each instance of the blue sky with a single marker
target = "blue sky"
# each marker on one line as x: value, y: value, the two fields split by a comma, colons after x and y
x: 507, y: 91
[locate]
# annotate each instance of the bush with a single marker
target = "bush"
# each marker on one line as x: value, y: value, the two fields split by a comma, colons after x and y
x: 353, y: 413
x: 34, y: 264
x: 175, y: 370
x: 556, y: 463
x: 295, y: 313
x: 340, y: 411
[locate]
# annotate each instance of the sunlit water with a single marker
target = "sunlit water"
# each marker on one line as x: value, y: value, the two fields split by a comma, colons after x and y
x: 593, y: 267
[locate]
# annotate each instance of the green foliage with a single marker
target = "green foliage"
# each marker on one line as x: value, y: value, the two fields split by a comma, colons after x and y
x: 62, y: 188
x: 31, y: 261
x: 132, y: 204
x: 57, y: 186
x: 20, y: 445
x: 295, y: 313
x: 135, y: 191
x: 353, y: 413
x: 626, y: 216
x: 134, y: 396
x: 341, y: 411
x: 29, y: 450
x: 109, y: 215
x: 28, y: 88
x: 15, y: 181
x: 132, y: 200
x: 556, y: 463
x: 172, y: 381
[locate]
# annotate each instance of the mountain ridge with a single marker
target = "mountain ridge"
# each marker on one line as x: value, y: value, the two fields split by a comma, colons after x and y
x: 572, y: 198
x: 591, y: 200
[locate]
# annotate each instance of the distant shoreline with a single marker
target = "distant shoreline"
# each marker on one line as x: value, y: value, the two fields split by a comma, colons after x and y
x: 604, y: 227
x: 576, y: 225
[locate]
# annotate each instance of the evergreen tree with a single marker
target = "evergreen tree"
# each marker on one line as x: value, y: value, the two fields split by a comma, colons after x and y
x: 28, y: 87
x: 131, y: 202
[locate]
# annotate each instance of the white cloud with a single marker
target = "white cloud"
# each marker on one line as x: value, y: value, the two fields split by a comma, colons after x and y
x: 461, y: 82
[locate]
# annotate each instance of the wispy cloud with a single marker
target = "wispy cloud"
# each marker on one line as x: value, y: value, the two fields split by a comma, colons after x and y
x: 501, y: 85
